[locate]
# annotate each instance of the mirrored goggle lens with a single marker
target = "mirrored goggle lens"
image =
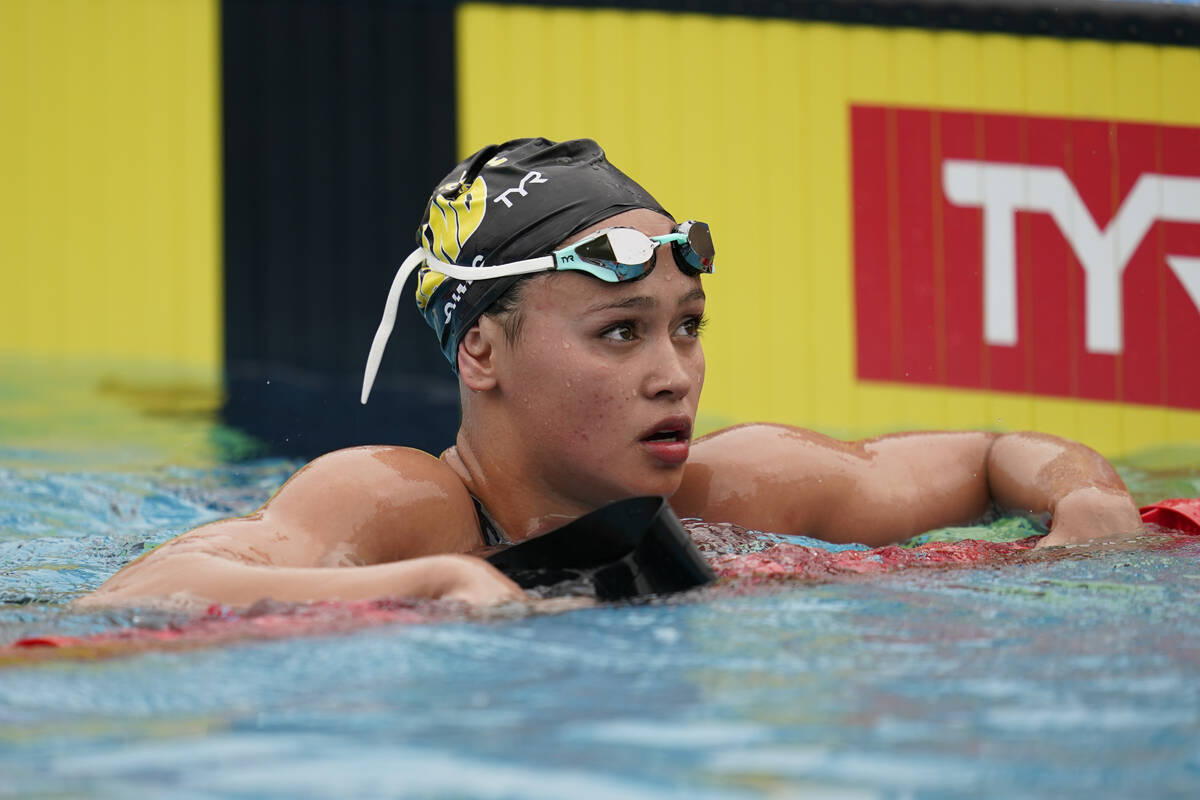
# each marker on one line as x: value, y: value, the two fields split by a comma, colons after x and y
x: 701, y: 243
x: 617, y: 246
x: 698, y: 252
x: 625, y: 252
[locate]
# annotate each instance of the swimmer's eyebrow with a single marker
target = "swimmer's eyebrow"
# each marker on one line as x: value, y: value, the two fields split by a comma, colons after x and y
x: 643, y: 301
x: 637, y: 301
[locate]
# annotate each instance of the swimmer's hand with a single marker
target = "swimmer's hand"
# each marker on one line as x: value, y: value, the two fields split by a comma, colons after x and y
x: 1090, y: 514
x: 472, y: 580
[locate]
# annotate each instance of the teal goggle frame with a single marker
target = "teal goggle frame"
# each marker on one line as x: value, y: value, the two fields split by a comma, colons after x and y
x: 613, y: 255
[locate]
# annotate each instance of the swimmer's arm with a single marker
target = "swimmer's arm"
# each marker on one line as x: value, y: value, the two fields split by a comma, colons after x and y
x: 1039, y: 474
x: 193, y: 580
x: 343, y: 528
x: 877, y: 491
x: 885, y: 490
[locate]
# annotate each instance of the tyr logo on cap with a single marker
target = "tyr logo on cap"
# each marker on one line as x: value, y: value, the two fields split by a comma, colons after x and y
x: 533, y: 176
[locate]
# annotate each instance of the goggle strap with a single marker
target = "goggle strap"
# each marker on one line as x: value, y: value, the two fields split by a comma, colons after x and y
x: 414, y: 260
x: 528, y: 265
x: 420, y: 256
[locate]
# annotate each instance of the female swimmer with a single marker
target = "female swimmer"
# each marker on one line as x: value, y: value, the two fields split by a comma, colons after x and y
x: 570, y: 305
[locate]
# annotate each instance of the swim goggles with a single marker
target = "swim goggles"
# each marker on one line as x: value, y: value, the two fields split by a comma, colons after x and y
x: 614, y: 255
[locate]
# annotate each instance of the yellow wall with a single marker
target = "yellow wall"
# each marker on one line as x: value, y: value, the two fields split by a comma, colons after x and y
x: 744, y: 123
x: 109, y: 180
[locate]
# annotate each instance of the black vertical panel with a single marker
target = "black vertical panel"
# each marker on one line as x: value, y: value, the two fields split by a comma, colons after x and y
x: 338, y: 119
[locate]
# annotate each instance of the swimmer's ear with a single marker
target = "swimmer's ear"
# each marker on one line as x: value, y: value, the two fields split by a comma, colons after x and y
x: 476, y: 356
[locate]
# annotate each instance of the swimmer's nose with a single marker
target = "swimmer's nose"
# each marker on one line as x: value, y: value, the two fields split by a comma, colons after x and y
x: 672, y: 374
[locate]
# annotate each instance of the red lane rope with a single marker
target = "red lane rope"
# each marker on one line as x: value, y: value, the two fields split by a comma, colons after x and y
x: 219, y: 625
x: 795, y: 561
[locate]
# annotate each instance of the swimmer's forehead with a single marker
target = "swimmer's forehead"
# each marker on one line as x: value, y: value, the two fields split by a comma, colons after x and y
x: 578, y: 296
x: 648, y: 222
x: 642, y: 300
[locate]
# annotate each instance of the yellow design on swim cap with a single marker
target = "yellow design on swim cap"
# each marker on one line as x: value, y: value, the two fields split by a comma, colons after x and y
x: 453, y: 220
x: 427, y: 283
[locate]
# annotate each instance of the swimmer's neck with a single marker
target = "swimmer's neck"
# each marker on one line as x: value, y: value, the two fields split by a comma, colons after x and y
x: 519, y: 500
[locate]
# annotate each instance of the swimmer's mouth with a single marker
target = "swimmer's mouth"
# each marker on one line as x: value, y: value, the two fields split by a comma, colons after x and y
x: 670, y: 431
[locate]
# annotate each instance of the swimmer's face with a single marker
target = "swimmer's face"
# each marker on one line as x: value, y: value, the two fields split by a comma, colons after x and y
x: 604, y: 379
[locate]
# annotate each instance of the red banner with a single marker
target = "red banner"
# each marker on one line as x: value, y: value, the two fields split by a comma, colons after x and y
x: 1052, y: 256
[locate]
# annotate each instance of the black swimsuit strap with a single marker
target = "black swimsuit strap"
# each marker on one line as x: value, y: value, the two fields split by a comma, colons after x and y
x: 491, y: 532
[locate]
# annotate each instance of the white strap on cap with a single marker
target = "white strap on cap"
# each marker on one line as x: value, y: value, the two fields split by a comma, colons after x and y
x: 424, y: 256
x: 539, y: 264
x: 414, y: 260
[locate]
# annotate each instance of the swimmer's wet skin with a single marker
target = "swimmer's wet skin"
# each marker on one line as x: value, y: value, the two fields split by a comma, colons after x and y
x: 570, y: 303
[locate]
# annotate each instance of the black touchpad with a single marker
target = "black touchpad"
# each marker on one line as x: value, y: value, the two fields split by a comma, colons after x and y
x: 625, y: 549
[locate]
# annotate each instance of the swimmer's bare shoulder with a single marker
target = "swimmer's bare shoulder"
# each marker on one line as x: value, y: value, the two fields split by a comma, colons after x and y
x: 398, y: 515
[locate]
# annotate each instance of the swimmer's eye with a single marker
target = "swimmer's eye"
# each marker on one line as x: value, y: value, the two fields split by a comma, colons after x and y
x: 692, y: 326
x: 621, y: 332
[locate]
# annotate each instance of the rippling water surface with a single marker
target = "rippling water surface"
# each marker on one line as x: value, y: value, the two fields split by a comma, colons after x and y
x: 1059, y: 676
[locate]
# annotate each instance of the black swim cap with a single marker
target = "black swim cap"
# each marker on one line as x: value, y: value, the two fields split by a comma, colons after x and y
x: 509, y: 202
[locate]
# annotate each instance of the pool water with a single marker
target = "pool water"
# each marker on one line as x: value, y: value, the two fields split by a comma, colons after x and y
x: 1071, y: 674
